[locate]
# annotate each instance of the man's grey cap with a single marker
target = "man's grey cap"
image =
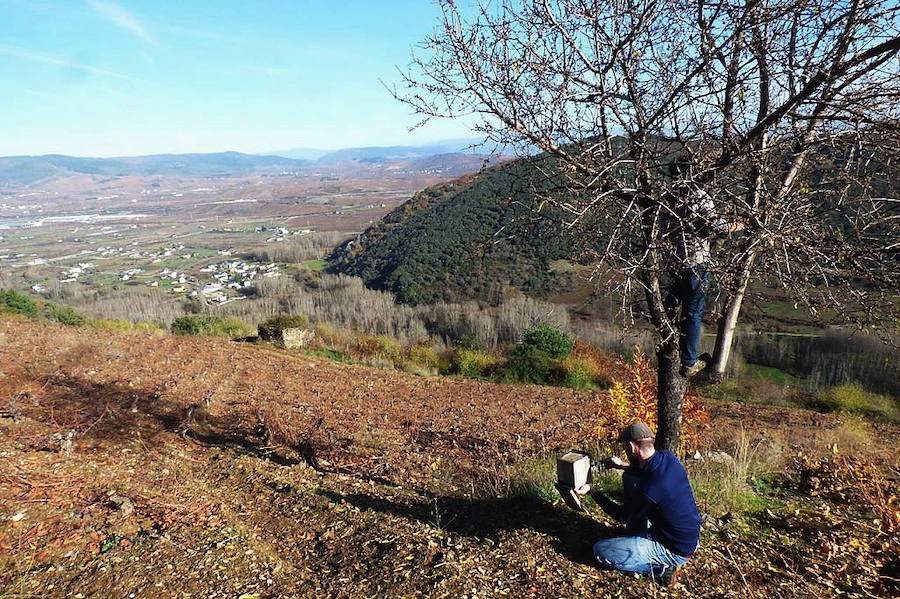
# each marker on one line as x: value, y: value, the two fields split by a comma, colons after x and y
x: 635, y: 432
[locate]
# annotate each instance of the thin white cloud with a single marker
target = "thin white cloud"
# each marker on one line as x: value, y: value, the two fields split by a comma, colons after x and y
x: 121, y: 18
x: 39, y: 57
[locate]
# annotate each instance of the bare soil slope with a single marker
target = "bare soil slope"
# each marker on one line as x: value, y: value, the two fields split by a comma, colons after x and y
x: 208, y: 468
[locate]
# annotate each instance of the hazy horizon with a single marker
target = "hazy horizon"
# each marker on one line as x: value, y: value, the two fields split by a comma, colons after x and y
x: 278, y: 152
x: 97, y: 78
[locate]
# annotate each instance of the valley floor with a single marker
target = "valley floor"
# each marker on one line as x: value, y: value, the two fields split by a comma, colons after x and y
x: 208, y: 468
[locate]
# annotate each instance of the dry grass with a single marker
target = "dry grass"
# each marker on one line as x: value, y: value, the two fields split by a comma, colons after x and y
x: 722, y: 479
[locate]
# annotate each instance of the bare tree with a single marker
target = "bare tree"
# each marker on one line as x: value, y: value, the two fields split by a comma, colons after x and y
x: 789, y: 110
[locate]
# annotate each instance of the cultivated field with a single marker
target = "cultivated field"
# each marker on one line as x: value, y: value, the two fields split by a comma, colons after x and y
x: 209, y: 468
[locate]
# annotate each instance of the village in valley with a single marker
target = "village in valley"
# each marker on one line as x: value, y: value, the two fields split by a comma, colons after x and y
x: 218, y: 281
x: 64, y: 239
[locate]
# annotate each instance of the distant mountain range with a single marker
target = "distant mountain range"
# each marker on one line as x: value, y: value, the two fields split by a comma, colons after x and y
x: 382, y: 154
x: 447, y: 157
x: 26, y: 170
x: 378, y: 154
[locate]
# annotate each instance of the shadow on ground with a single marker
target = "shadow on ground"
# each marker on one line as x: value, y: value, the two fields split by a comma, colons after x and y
x: 573, y: 534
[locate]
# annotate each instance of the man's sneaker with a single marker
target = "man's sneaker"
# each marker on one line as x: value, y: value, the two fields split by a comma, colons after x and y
x: 694, y: 369
x: 669, y: 577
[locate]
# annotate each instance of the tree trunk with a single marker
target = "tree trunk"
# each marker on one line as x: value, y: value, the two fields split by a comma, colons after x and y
x: 728, y: 321
x: 671, y: 387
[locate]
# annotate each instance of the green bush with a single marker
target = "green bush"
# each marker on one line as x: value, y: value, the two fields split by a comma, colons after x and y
x: 287, y: 321
x: 389, y: 349
x: 528, y: 364
x: 578, y: 373
x: 424, y: 355
x: 209, y: 325
x: 552, y: 342
x: 123, y: 326
x: 472, y: 363
x: 16, y: 302
x: 383, y: 347
x: 112, y: 324
x: 150, y: 327
x: 853, y: 399
x: 63, y: 314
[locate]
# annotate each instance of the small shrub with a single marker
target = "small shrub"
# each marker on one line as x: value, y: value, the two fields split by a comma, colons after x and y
x: 115, y: 325
x: 389, y: 349
x: 853, y: 399
x: 528, y: 364
x: 579, y: 373
x: 367, y: 345
x: 150, y: 327
x: 632, y: 398
x: 552, y: 342
x: 473, y: 363
x: 287, y: 321
x: 16, y: 302
x: 63, y: 314
x: 424, y: 355
x: 324, y: 332
x: 471, y: 342
x: 216, y: 326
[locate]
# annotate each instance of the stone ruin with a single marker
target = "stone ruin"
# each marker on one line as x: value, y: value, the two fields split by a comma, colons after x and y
x: 287, y: 337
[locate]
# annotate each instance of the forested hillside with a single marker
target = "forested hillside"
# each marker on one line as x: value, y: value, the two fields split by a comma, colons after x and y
x: 463, y: 240
x: 470, y: 238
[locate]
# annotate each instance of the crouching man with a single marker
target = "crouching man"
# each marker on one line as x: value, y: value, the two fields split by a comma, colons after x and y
x: 659, y: 513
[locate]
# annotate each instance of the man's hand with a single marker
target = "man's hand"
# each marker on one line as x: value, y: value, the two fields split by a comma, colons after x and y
x: 583, y: 489
x: 614, y: 462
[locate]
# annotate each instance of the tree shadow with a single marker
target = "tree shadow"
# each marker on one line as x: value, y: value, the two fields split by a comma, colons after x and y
x: 573, y: 533
x: 115, y: 411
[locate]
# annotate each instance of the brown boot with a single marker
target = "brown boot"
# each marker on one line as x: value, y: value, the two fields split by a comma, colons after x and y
x: 669, y: 577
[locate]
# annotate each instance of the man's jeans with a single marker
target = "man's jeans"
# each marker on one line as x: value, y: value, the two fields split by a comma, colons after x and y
x: 688, y: 291
x: 639, y: 553
x: 636, y: 554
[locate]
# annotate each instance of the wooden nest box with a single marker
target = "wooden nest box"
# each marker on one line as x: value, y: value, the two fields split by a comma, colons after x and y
x: 574, y: 469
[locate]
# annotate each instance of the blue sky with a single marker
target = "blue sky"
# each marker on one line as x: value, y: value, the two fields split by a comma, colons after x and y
x: 104, y: 78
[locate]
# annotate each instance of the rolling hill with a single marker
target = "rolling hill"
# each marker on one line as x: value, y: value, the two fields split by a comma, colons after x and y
x: 447, y: 158
x: 27, y: 170
x: 463, y: 240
